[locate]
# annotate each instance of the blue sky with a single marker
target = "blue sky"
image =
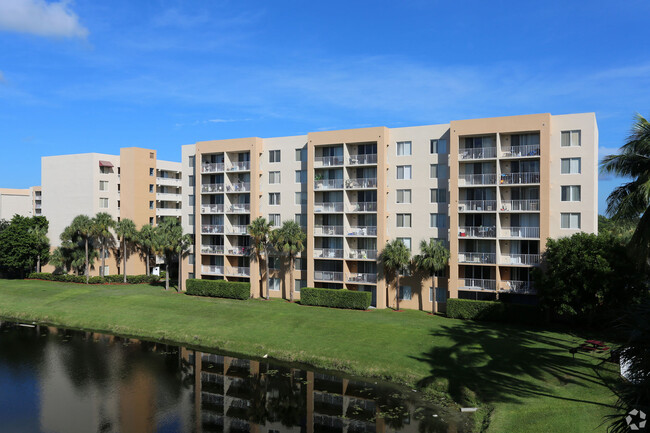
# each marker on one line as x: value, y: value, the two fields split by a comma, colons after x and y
x: 89, y: 76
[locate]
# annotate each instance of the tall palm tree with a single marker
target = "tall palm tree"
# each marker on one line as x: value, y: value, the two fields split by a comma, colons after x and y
x: 260, y: 231
x: 632, y: 199
x: 126, y: 231
x: 170, y: 241
x: 394, y: 257
x: 82, y: 228
x: 290, y: 240
x: 433, y: 259
x: 181, y: 247
x: 102, y: 225
x: 39, y: 233
x: 146, y: 241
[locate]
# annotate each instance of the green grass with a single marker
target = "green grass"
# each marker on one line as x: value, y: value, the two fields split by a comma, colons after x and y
x: 524, y: 377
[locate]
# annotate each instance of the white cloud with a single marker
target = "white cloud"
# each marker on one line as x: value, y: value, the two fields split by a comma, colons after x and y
x: 40, y: 18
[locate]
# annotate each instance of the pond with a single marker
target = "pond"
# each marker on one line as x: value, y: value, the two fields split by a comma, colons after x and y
x: 55, y: 380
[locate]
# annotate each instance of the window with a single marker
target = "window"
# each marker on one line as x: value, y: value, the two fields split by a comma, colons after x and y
x: 274, y: 177
x: 300, y: 284
x: 150, y: 204
x: 301, y: 219
x: 274, y: 156
x: 152, y: 155
x: 405, y: 293
x: 403, y: 220
x: 438, y: 195
x: 403, y: 148
x: 403, y: 196
x: 438, y: 146
x: 274, y: 198
x: 301, y: 155
x: 190, y: 218
x: 301, y: 198
x: 106, y: 270
x: 151, y: 170
x: 190, y: 275
x: 571, y: 193
x: 570, y: 138
x: 190, y: 259
x: 190, y: 179
x: 301, y: 176
x: 301, y: 264
x: 274, y: 219
x: 103, y: 185
x: 150, y: 188
x: 103, y: 203
x: 437, y: 171
x: 403, y: 171
x: 571, y: 165
x: 274, y: 284
x: 118, y: 205
x: 438, y: 220
x: 150, y: 221
x: 441, y: 295
x: 570, y: 220
x: 191, y: 160
x: 191, y: 200
x: 274, y: 263
x: 406, y: 242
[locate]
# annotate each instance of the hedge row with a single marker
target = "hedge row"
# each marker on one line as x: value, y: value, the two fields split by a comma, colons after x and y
x: 337, y: 298
x: 218, y: 288
x: 67, y: 278
x: 492, y: 311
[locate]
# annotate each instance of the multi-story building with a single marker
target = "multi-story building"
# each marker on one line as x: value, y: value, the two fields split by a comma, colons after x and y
x: 491, y: 189
x: 23, y: 202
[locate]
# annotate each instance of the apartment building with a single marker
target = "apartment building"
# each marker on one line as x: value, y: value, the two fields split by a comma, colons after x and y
x: 492, y: 190
x: 23, y: 202
x: 133, y: 184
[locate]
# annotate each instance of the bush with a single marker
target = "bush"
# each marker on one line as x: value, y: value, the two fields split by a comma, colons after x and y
x: 67, y: 278
x: 218, y: 288
x: 492, y: 311
x: 336, y: 298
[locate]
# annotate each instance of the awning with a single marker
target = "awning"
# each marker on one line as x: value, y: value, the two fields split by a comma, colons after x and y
x: 105, y: 163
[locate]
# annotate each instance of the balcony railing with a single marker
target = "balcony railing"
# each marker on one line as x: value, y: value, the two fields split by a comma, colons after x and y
x: 212, y: 208
x: 363, y: 254
x: 477, y: 205
x: 328, y: 276
x: 363, y: 206
x: 479, y: 284
x: 169, y: 181
x: 212, y: 187
x: 166, y: 196
x: 211, y: 249
x: 328, y: 230
x: 518, y: 286
x: 239, y: 187
x: 520, y: 151
x: 328, y: 161
x: 518, y: 178
x: 520, y: 206
x: 240, y: 271
x: 362, y: 278
x: 361, y: 183
x: 168, y: 211
x: 328, y: 253
x: 363, y: 159
x: 478, y: 179
x: 212, y: 270
x: 329, y: 207
x: 477, y: 153
x: 239, y: 208
x: 520, y: 232
x: 477, y: 258
x: 240, y: 166
x: 328, y: 184
x: 238, y: 230
x: 477, y: 232
x: 520, y: 259
x: 215, y: 167
x: 362, y: 231
x: 238, y: 251
x: 211, y: 229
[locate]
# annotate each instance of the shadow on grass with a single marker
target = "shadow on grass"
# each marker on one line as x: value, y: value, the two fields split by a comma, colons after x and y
x: 500, y: 363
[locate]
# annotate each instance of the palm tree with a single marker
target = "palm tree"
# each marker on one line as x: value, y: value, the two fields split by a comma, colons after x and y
x: 102, y: 225
x: 632, y: 199
x: 290, y: 240
x: 146, y: 241
x: 39, y: 233
x: 433, y: 259
x: 126, y: 231
x: 82, y: 228
x: 169, y: 241
x: 394, y: 257
x: 181, y: 247
x: 260, y: 231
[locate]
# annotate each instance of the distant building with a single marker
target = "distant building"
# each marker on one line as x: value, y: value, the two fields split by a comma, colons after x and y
x: 24, y: 202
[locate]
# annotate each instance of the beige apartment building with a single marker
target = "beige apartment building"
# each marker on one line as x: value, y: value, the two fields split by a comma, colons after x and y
x: 23, y: 202
x: 491, y: 189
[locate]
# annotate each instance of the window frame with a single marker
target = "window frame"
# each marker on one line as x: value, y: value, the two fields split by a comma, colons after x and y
x: 402, y: 145
x: 272, y: 156
x: 404, y: 218
x: 403, y: 169
x: 402, y: 191
x: 274, y: 194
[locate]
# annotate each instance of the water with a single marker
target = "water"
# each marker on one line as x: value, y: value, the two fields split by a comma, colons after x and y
x: 64, y: 381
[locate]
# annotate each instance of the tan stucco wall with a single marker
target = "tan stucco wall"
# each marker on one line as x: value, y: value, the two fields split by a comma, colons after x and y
x: 15, y: 202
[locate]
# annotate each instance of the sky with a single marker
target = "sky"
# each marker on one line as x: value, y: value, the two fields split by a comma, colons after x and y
x: 89, y: 76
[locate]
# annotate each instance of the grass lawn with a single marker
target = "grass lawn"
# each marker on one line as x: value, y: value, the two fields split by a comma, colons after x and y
x: 525, y: 377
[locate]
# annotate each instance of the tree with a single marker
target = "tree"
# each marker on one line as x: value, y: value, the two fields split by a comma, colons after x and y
x: 182, y: 246
x: 290, y: 240
x: 126, y: 231
x: 621, y: 230
x: 71, y: 254
x: 82, y: 228
x: 432, y: 260
x: 260, y: 231
x: 394, y: 258
x: 101, y: 228
x: 41, y: 241
x: 19, y: 248
x: 146, y: 240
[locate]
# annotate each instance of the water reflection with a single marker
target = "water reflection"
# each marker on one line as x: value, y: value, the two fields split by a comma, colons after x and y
x: 90, y: 382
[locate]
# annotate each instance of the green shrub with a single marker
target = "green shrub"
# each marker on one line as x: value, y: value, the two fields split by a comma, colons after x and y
x: 218, y: 288
x: 336, y: 298
x: 492, y: 311
x: 67, y: 278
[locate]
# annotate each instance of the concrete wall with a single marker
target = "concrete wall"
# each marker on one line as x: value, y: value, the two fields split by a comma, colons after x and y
x: 15, y: 202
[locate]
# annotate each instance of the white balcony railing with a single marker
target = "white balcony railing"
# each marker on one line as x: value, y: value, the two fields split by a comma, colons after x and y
x: 239, y: 208
x: 478, y: 179
x: 239, y: 187
x: 169, y: 181
x: 518, y: 286
x: 477, y: 153
x: 479, y: 284
x: 212, y: 270
x: 166, y: 196
x: 240, y: 271
x: 361, y: 183
x: 363, y: 159
x: 212, y: 208
x: 477, y: 205
x: 477, y: 258
x: 328, y: 230
x: 328, y: 184
x: 238, y: 251
x: 518, y: 178
x: 520, y: 232
x: 240, y: 166
x: 328, y: 207
x: 328, y: 276
x: 212, y: 249
x: 238, y: 230
x: 363, y: 254
x: 328, y: 161
x: 212, y: 187
x: 215, y: 167
x: 520, y: 151
x: 211, y: 229
x: 363, y: 206
x: 520, y: 259
x: 328, y: 253
x: 168, y: 211
x: 362, y: 278
x: 477, y: 232
x: 362, y: 231
x: 520, y: 206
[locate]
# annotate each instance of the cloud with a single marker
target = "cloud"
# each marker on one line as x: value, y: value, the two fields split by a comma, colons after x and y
x: 38, y: 17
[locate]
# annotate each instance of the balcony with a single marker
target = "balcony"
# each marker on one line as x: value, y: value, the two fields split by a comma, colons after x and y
x: 216, y: 167
x: 478, y: 284
x: 239, y: 187
x: 328, y: 184
x: 363, y: 231
x: 328, y: 253
x: 328, y: 161
x: 518, y: 286
x: 238, y: 230
x: 477, y: 232
x: 484, y: 258
x: 328, y: 207
x: 520, y: 232
x: 477, y: 153
x: 360, y: 278
x: 363, y: 206
x: 363, y: 159
x: 168, y: 211
x: 166, y: 196
x: 211, y: 249
x: 362, y: 254
x: 212, y: 208
x: 520, y: 206
x: 328, y: 230
x: 239, y: 208
x: 238, y: 251
x: 239, y: 271
x: 212, y: 270
x: 520, y: 259
x: 209, y: 229
x: 361, y: 183
x: 519, y: 178
x: 240, y: 166
x: 530, y: 150
x: 212, y: 188
x: 477, y: 206
x: 328, y: 276
x: 169, y: 181
x: 477, y: 179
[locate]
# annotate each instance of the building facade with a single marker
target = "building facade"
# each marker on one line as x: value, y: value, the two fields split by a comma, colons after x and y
x: 23, y: 202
